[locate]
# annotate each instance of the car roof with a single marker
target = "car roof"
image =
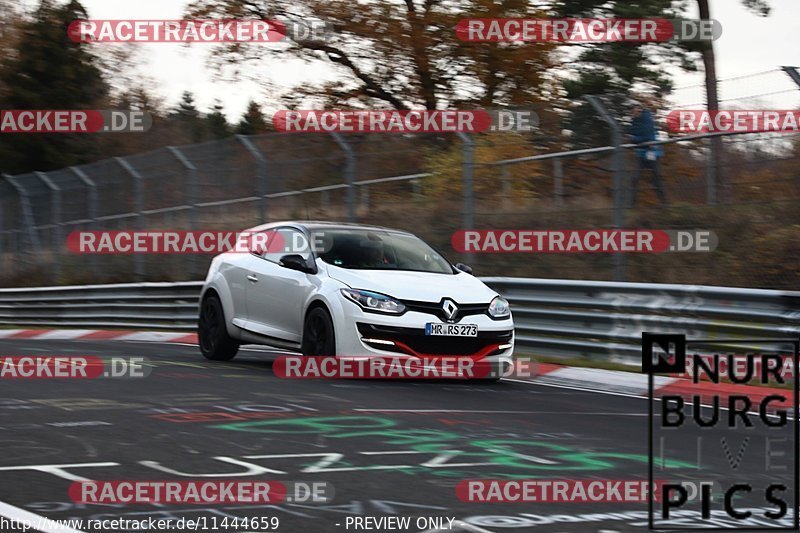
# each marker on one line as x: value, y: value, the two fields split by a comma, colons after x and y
x: 312, y: 225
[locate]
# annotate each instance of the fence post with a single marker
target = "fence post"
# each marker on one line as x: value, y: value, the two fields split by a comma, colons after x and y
x: 261, y: 175
x: 711, y: 176
x: 365, y: 197
x: 468, y: 167
x: 416, y: 188
x: 192, y: 193
x: 92, y: 207
x: 558, y: 180
x: 192, y: 199
x: 505, y: 186
x: 57, y: 219
x: 792, y: 73
x: 138, y: 206
x: 349, y: 174
x: 27, y: 212
x: 619, y: 187
x: 3, y: 231
x: 89, y: 182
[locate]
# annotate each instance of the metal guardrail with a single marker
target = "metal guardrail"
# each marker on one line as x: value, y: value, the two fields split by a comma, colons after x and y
x: 119, y: 305
x: 606, y: 319
x: 553, y: 317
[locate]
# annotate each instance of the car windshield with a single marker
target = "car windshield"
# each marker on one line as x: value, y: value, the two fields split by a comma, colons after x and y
x: 378, y: 250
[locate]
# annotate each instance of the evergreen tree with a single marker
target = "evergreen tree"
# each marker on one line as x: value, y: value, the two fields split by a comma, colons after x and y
x: 253, y: 121
x: 188, y: 119
x: 216, y: 123
x: 615, y: 70
x: 49, y: 71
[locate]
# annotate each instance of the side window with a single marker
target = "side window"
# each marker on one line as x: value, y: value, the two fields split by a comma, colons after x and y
x: 286, y: 241
x: 259, y: 242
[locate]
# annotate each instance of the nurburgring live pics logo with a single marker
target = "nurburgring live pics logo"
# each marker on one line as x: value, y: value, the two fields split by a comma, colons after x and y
x: 755, y: 414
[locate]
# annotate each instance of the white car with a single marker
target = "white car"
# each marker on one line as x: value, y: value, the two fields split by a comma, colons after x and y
x: 331, y: 289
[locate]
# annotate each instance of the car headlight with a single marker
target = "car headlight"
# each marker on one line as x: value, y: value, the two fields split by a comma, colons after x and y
x: 373, y: 301
x: 499, y: 308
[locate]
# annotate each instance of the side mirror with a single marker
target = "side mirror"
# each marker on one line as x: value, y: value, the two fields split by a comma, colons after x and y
x: 297, y: 262
x: 463, y: 268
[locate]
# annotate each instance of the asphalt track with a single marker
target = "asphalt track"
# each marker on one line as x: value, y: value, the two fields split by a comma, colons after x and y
x: 390, y: 448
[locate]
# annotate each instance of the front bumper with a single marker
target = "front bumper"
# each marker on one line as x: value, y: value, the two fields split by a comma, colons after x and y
x: 413, y: 341
x: 363, y: 333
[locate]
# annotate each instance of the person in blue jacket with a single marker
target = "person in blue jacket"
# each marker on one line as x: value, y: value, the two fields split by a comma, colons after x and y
x: 642, y: 130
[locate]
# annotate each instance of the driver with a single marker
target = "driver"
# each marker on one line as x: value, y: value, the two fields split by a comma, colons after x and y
x: 372, y: 255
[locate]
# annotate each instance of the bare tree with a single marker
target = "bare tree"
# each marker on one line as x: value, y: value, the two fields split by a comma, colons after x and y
x: 400, y: 53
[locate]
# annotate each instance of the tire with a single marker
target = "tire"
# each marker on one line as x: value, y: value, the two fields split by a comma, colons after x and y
x: 319, y: 338
x: 212, y: 333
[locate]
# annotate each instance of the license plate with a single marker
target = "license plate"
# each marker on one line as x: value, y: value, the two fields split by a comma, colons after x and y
x: 451, y: 330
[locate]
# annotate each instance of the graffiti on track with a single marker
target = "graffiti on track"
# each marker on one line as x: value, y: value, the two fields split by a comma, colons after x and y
x: 443, y: 451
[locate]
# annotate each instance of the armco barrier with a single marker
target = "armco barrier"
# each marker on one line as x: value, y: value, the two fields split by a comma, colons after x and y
x: 606, y: 319
x: 118, y: 305
x: 553, y: 317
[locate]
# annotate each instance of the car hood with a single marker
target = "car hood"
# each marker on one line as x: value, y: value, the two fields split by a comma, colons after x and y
x: 417, y: 286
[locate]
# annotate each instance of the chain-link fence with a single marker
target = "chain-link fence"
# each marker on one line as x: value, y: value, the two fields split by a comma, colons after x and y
x: 432, y: 185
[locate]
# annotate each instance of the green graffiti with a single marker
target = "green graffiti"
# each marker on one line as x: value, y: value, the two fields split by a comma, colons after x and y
x: 508, y: 453
x: 324, y: 425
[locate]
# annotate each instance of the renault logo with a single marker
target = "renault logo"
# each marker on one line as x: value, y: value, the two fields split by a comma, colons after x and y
x: 450, y: 309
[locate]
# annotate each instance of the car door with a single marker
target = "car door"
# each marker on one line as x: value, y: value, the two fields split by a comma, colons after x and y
x: 236, y: 270
x: 277, y: 295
